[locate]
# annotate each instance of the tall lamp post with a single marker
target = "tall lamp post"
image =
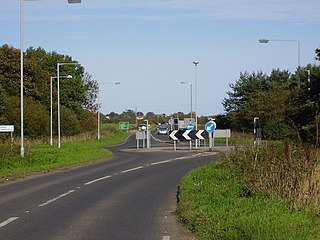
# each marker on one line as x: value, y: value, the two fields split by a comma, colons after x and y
x: 195, y: 92
x: 190, y: 84
x: 195, y: 96
x: 21, y: 80
x: 21, y: 74
x: 58, y: 83
x: 264, y: 40
x: 51, y: 113
x: 98, y: 112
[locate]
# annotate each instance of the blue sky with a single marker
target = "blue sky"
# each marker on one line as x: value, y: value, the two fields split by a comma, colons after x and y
x: 149, y: 45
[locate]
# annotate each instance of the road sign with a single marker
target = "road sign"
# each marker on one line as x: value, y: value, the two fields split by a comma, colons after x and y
x: 202, y: 134
x: 190, y: 126
x: 210, y: 126
x: 6, y: 128
x: 188, y: 135
x: 172, y: 135
x: 124, y: 125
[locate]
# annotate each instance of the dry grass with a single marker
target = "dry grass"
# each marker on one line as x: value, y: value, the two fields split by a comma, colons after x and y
x: 281, y: 170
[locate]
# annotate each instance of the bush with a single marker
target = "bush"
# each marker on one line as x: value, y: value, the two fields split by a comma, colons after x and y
x: 36, y: 117
x: 70, y: 124
x: 276, y: 129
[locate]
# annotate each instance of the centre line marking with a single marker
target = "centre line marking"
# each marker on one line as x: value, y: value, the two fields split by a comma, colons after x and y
x: 8, y: 221
x: 55, y: 199
x: 156, y: 163
x: 166, y: 238
x: 98, y: 179
x: 132, y: 169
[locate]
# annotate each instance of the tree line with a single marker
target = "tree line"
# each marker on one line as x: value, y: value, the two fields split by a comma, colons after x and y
x: 284, y: 109
x: 77, y: 94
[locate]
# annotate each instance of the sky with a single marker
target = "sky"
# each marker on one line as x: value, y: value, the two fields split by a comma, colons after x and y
x: 149, y: 45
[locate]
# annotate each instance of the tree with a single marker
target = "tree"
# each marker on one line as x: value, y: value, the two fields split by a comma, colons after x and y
x: 310, y: 103
x: 247, y: 87
x: 79, y: 94
x: 36, y: 117
x: 128, y: 115
x: 10, y: 69
x: 70, y: 124
x: 258, y: 95
x: 3, y: 120
x: 317, y: 54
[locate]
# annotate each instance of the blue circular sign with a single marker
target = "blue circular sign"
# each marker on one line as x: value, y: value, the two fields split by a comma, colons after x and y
x: 190, y: 126
x: 210, y: 126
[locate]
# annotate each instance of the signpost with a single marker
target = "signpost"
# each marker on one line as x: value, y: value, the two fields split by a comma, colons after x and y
x: 188, y: 135
x: 124, y: 125
x: 190, y: 126
x: 210, y: 127
x: 210, y: 133
x: 7, y: 129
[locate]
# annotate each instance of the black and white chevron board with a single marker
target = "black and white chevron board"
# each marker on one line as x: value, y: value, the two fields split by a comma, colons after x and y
x: 188, y: 135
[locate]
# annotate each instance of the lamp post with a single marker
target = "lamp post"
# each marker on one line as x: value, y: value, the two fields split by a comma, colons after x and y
x: 21, y: 81
x: 264, y: 40
x: 195, y: 96
x: 190, y: 84
x: 74, y: 1
x: 98, y: 112
x: 21, y: 74
x: 58, y: 83
x: 69, y: 76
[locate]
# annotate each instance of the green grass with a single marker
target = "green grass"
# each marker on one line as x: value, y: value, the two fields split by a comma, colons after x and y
x: 214, y: 204
x: 43, y: 157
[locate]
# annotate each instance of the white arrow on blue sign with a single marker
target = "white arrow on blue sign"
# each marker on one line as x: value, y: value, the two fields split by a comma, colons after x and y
x: 210, y: 126
x: 190, y: 126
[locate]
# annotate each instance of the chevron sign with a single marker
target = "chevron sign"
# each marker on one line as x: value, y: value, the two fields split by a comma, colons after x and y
x: 188, y: 135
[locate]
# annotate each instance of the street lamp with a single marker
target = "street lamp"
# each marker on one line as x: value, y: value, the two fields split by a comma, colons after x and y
x: 190, y: 84
x: 21, y: 74
x: 21, y: 80
x: 58, y: 83
x: 98, y: 112
x: 264, y: 40
x: 195, y: 95
x: 69, y: 76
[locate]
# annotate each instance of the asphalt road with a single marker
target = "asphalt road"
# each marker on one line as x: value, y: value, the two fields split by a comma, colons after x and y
x: 132, y: 196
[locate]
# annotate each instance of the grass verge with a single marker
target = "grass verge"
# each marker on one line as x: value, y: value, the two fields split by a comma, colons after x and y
x: 43, y: 157
x: 216, y: 204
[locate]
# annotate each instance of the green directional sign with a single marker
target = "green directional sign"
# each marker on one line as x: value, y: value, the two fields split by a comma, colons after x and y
x: 124, y: 125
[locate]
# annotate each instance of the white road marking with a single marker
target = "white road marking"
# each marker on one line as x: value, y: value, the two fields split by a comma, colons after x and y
x: 55, y: 199
x: 188, y: 157
x: 8, y: 221
x: 166, y: 238
x: 132, y: 169
x: 97, y: 180
x: 156, y: 163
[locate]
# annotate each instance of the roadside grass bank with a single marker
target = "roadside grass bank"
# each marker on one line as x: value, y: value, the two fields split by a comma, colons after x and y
x: 266, y: 192
x: 43, y: 157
